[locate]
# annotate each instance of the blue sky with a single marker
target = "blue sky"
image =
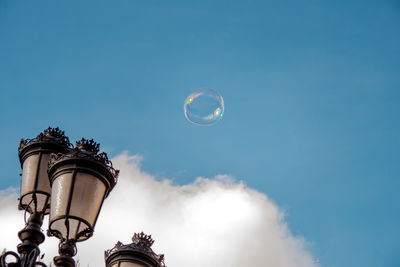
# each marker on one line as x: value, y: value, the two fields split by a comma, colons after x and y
x: 311, y: 91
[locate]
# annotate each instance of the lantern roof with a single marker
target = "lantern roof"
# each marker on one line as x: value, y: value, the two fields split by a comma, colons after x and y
x: 50, y: 137
x: 141, y: 244
x: 87, y: 151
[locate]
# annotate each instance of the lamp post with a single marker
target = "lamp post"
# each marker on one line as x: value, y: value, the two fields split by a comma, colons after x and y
x: 80, y: 181
x: 70, y: 184
x: 136, y: 254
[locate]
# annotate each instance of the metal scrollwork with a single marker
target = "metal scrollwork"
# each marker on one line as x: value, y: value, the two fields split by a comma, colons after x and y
x: 4, y: 255
x: 25, y: 260
x: 52, y: 135
x: 86, y: 233
x: 85, y: 149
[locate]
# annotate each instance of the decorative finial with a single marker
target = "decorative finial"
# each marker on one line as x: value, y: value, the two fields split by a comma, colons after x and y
x: 142, y: 240
x: 56, y: 132
x: 88, y: 145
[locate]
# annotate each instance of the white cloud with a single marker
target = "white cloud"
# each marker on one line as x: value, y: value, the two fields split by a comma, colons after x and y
x: 210, y: 222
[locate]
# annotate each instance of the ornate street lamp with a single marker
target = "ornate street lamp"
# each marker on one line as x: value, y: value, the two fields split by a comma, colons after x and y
x: 34, y: 156
x: 136, y: 254
x: 80, y: 180
x: 70, y: 184
x: 35, y: 189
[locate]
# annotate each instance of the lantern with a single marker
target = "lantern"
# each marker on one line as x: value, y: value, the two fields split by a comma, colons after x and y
x: 136, y: 254
x: 34, y: 156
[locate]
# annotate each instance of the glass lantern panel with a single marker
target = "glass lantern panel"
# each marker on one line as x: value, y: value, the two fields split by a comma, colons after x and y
x: 43, y: 185
x: 44, y: 182
x: 42, y: 202
x: 60, y: 192
x: 87, y: 197
x: 25, y: 201
x: 69, y: 228
x: 29, y: 170
x: 75, y: 227
x: 59, y: 225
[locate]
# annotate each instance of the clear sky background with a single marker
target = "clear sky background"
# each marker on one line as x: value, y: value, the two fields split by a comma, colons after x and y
x: 311, y: 91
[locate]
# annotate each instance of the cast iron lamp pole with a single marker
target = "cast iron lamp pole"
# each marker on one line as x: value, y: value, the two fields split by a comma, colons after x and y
x: 70, y: 184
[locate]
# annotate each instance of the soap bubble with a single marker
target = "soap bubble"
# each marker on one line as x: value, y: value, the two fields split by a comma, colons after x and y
x: 204, y: 106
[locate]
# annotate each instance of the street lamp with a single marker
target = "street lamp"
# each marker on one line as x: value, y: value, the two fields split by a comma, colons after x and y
x: 136, y: 254
x: 70, y: 184
x: 34, y: 155
x: 80, y: 181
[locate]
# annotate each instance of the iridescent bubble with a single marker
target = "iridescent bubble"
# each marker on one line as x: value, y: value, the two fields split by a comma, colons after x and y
x: 204, y: 106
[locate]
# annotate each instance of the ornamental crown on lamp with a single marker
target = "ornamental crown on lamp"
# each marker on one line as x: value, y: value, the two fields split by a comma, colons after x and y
x: 141, y: 246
